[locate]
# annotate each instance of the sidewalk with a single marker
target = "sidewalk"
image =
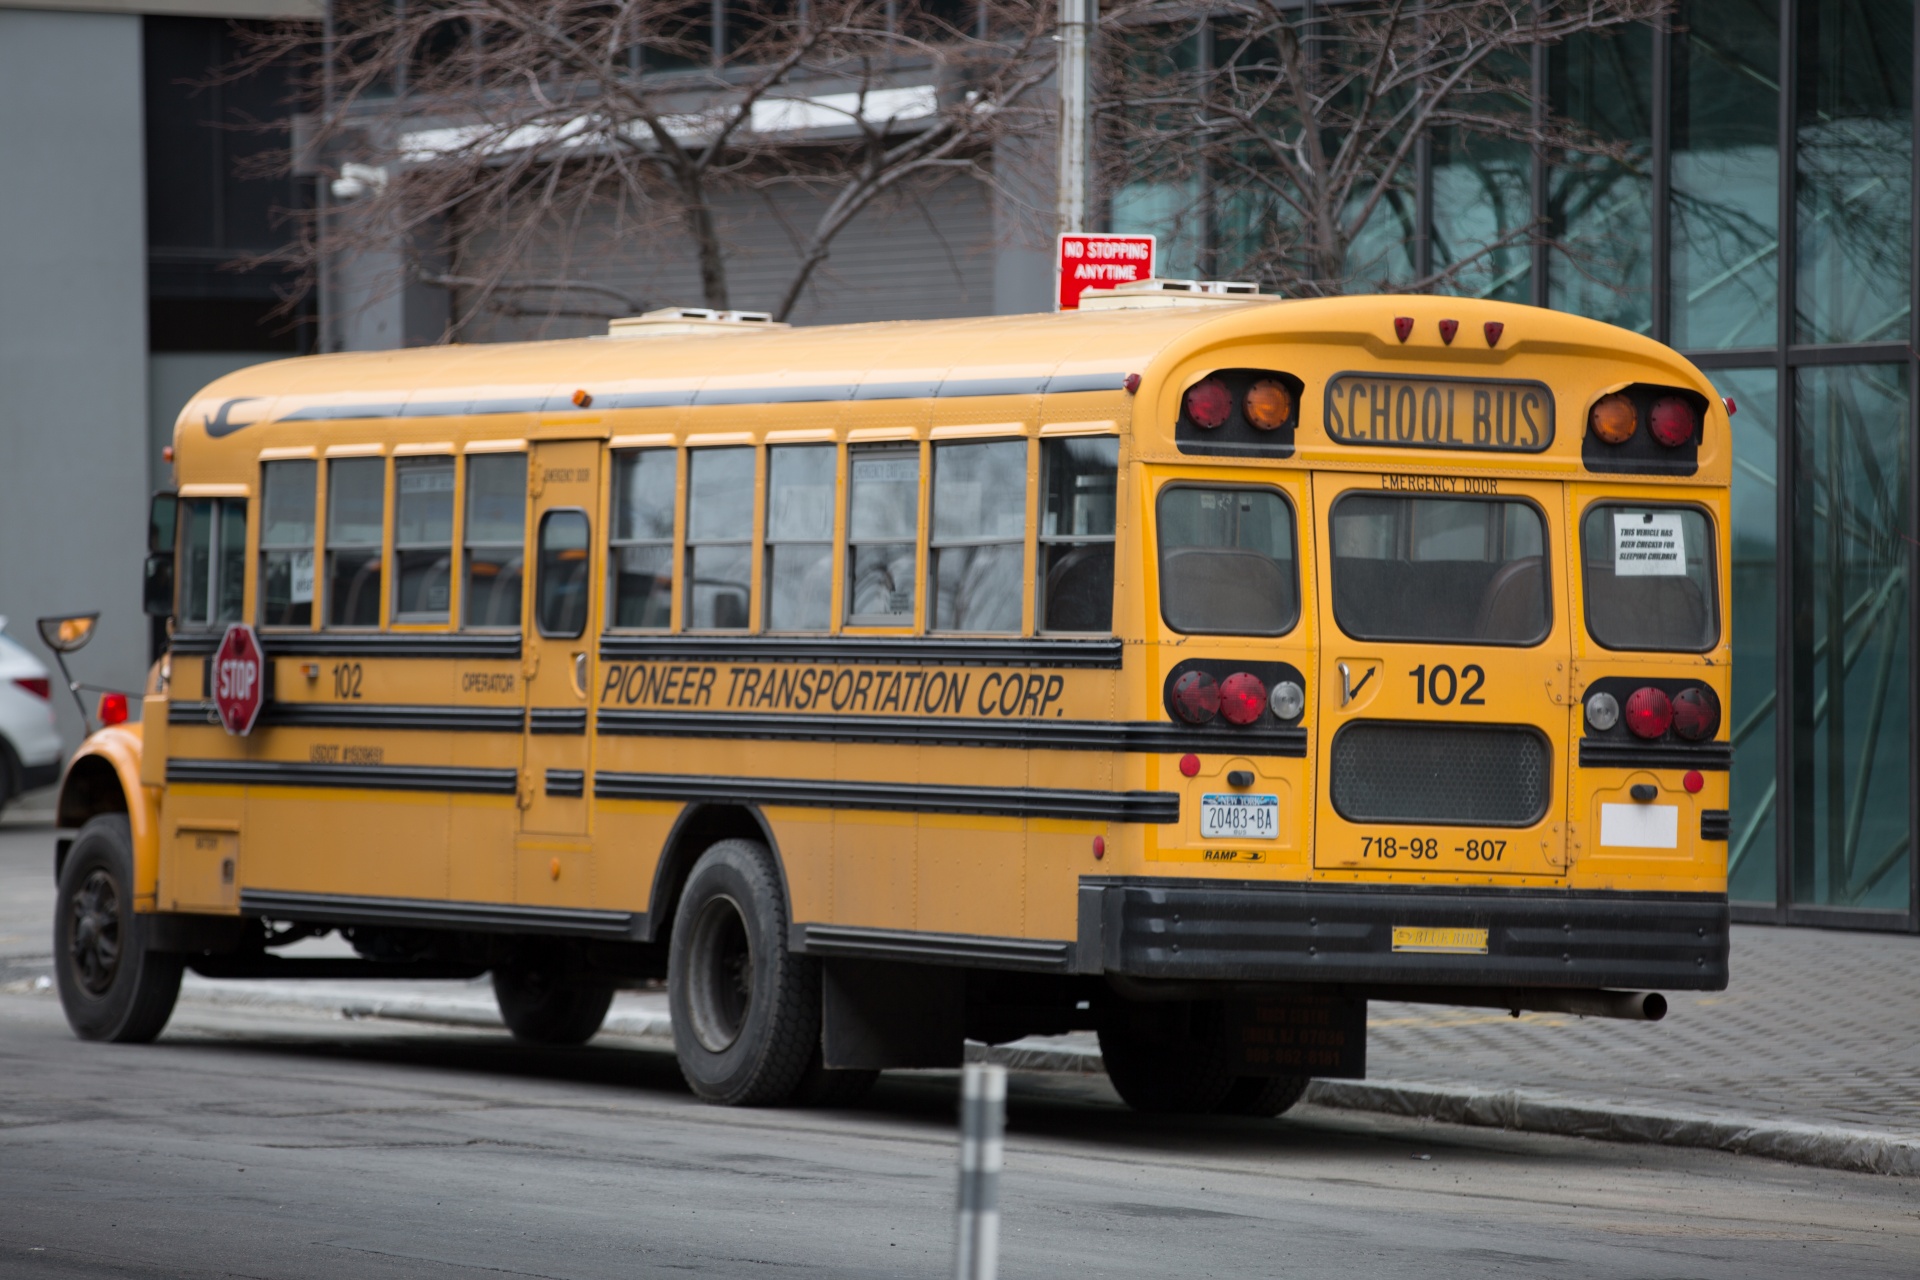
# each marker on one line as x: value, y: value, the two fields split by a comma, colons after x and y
x: 1812, y: 1055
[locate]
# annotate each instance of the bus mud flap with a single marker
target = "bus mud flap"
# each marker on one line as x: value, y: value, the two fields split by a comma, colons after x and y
x: 881, y: 1015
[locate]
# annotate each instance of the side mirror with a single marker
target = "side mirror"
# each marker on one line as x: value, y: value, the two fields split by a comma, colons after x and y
x: 69, y: 634
x: 157, y: 590
x: 160, y: 519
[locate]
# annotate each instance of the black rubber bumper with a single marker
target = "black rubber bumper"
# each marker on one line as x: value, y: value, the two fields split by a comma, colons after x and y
x: 1261, y: 932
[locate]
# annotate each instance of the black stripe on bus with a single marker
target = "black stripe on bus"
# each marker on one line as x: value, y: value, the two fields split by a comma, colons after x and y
x: 894, y: 797
x: 336, y: 908
x: 352, y: 715
x: 1035, y: 735
x: 566, y: 782
x: 690, y: 397
x: 558, y: 720
x: 936, y: 948
x: 351, y: 777
x: 1013, y: 652
x: 360, y: 644
x: 1715, y: 756
x: 1715, y: 824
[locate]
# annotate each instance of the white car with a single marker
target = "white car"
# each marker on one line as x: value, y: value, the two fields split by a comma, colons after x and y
x: 30, y: 752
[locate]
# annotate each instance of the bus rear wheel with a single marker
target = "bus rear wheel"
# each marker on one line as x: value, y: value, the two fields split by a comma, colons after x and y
x: 1262, y: 1096
x: 541, y: 1003
x: 1157, y: 1064
x: 111, y: 986
x: 746, y: 1011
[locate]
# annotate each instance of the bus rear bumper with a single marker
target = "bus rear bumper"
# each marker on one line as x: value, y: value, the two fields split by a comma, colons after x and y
x: 1345, y: 934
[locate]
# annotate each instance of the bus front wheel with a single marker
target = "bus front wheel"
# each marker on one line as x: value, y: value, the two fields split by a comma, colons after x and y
x: 541, y: 1003
x: 111, y: 986
x: 746, y: 1011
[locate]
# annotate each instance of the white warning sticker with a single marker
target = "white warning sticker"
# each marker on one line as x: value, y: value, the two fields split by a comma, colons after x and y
x: 1649, y: 544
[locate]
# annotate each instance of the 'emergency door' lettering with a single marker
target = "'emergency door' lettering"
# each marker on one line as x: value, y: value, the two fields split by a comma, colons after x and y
x: 916, y: 691
x: 1473, y: 414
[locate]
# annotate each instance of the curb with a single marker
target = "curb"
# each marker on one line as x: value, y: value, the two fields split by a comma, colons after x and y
x: 1523, y: 1110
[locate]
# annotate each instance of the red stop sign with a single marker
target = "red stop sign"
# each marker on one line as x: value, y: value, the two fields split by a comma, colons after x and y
x: 239, y: 678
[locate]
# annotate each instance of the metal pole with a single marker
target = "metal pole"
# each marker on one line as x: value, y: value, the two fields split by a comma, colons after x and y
x: 983, y: 1121
x: 1071, y: 207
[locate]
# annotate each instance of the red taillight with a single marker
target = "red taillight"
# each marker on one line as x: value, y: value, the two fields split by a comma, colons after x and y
x: 1672, y: 421
x: 1612, y: 419
x: 1196, y: 697
x: 38, y: 686
x: 113, y: 708
x: 1242, y: 698
x: 1209, y: 403
x: 1649, y: 713
x: 1696, y: 713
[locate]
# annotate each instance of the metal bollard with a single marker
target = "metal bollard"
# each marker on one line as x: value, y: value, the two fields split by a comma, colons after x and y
x: 983, y: 1120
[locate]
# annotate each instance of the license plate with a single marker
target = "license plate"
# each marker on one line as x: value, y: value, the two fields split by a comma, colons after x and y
x: 1241, y: 817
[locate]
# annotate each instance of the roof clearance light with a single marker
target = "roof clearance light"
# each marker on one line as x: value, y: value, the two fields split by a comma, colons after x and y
x: 1696, y: 713
x: 1196, y: 697
x: 1447, y: 329
x: 1613, y: 419
x: 1403, y: 327
x: 1493, y: 330
x: 1672, y: 421
x: 582, y: 399
x: 1649, y: 713
x: 1269, y: 404
x: 1209, y: 404
x: 1242, y: 698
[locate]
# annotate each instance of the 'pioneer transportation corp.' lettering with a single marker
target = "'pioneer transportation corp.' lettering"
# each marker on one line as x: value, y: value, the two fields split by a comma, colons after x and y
x: 1440, y: 413
x: 915, y: 691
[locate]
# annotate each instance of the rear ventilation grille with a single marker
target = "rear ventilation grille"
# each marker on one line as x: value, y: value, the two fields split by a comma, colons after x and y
x: 1461, y: 775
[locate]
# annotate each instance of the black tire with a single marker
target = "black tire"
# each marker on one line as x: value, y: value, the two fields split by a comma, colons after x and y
x: 111, y: 986
x: 542, y: 1003
x: 746, y: 1011
x: 1157, y: 1064
x: 1262, y: 1096
x: 825, y: 1087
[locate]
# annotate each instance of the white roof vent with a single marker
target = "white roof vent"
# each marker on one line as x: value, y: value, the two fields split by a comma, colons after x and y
x: 667, y: 321
x: 1159, y: 292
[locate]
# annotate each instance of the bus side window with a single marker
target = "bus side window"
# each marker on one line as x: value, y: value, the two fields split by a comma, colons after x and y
x: 883, y: 534
x: 561, y: 605
x: 286, y: 543
x: 495, y: 539
x: 641, y: 563
x: 719, y: 539
x: 979, y: 535
x: 1078, y: 481
x: 213, y: 560
x: 799, y: 572
x: 356, y: 528
x: 422, y: 539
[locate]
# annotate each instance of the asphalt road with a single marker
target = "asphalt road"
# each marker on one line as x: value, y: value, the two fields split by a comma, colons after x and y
x: 252, y: 1144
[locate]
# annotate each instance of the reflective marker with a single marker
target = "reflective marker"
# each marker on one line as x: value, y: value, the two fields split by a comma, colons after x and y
x: 983, y: 1122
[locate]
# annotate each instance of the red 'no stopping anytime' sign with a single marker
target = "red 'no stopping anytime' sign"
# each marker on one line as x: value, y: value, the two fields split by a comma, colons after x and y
x: 1090, y: 261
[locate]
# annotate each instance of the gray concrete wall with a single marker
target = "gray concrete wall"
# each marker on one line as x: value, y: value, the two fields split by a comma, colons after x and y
x: 73, y: 335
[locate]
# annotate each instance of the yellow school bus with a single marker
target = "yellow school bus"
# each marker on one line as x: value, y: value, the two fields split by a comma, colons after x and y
x: 1188, y: 673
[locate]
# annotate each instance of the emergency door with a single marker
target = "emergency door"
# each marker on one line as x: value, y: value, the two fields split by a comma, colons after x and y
x: 563, y: 484
x: 1443, y: 677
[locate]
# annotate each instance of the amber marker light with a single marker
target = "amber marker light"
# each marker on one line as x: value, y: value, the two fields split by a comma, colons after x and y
x: 581, y: 399
x: 1269, y: 404
x: 1612, y: 419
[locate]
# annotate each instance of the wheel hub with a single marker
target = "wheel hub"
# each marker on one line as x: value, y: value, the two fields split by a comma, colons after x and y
x: 720, y: 993
x: 94, y: 943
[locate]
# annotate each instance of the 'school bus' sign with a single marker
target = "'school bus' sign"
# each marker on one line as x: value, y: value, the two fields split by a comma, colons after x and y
x: 1091, y: 261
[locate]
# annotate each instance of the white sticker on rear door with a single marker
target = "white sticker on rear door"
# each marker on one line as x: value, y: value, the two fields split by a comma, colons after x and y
x: 1649, y: 544
x: 1640, y: 826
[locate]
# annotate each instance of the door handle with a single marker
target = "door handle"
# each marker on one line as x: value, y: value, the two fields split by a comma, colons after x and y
x: 580, y: 675
x: 1348, y: 689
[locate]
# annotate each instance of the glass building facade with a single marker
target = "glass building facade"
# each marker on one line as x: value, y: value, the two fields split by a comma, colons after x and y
x: 1763, y: 223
